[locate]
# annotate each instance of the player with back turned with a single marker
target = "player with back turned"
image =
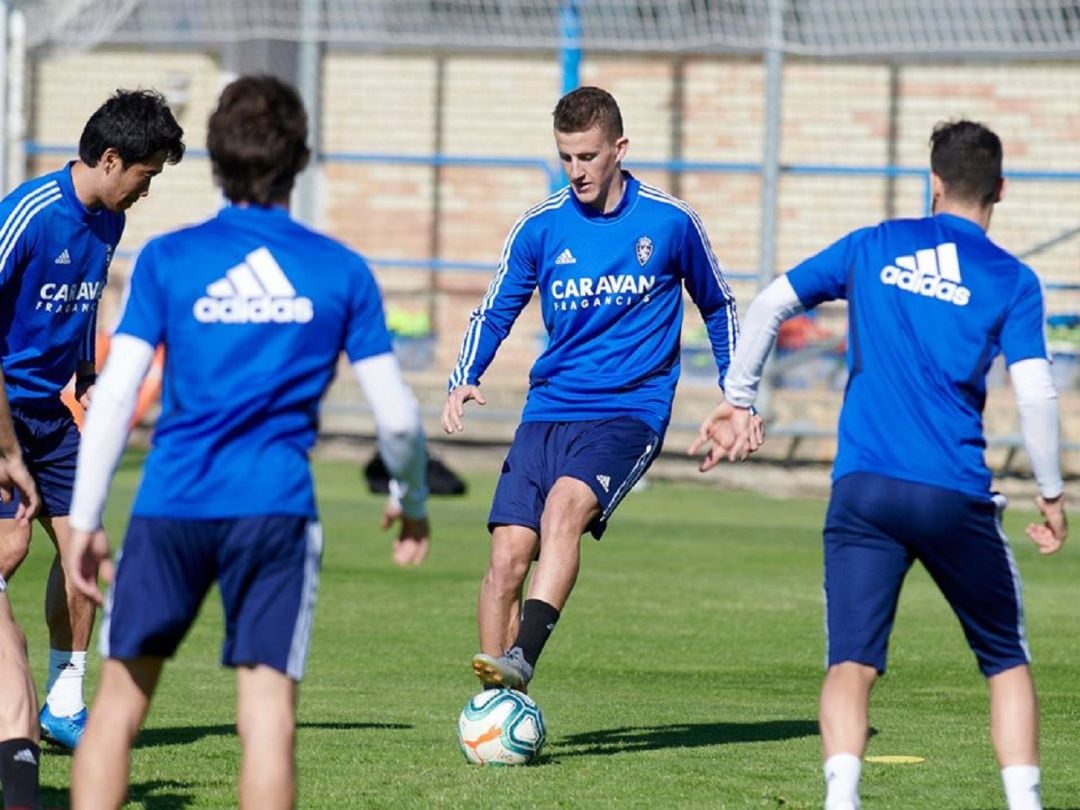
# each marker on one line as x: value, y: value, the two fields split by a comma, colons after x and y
x: 58, y: 233
x: 931, y: 302
x: 254, y: 310
x: 610, y: 256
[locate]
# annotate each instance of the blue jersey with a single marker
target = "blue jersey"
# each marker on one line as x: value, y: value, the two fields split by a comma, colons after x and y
x: 931, y: 302
x: 54, y: 258
x: 611, y: 298
x: 254, y: 310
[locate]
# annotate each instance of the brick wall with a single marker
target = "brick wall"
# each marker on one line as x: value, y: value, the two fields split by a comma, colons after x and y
x: 500, y: 107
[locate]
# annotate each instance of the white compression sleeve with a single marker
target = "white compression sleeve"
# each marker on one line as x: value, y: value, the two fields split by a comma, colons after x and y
x: 1037, y: 401
x: 773, y: 305
x: 106, y: 428
x: 400, y: 432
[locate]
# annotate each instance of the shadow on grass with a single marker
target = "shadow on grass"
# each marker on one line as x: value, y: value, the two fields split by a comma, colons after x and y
x: 679, y: 735
x: 162, y: 794
x: 181, y: 735
x: 157, y: 794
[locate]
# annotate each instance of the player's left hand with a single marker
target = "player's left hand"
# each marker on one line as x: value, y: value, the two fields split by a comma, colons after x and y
x: 87, y: 558
x: 413, y: 542
x: 1050, y: 535
x: 734, y: 433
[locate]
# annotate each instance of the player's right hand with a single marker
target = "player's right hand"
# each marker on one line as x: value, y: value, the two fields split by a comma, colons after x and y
x: 1050, y: 535
x: 15, y: 476
x: 413, y: 542
x: 454, y: 409
x: 87, y: 558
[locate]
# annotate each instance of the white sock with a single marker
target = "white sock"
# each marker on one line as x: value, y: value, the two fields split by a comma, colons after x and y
x: 64, y: 688
x: 842, y: 773
x: 1022, y: 789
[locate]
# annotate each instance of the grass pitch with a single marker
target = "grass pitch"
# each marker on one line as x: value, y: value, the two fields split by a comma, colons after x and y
x: 684, y: 672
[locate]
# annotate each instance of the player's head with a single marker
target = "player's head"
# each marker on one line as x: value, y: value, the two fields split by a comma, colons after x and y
x: 590, y: 140
x: 257, y: 138
x: 128, y: 141
x: 965, y: 157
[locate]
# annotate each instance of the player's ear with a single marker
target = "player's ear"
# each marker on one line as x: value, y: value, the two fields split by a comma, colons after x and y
x: 110, y: 160
x: 1000, y: 194
x: 937, y: 189
x: 620, y: 148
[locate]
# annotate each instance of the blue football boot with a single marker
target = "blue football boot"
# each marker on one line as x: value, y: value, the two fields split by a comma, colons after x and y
x: 62, y: 731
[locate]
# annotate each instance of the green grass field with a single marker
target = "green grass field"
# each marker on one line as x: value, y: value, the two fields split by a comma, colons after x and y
x: 683, y: 674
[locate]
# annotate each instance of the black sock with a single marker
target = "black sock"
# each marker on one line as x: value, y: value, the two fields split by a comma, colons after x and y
x: 19, y: 760
x: 538, y: 619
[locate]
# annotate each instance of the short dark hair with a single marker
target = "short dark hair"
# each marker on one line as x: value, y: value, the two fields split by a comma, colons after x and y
x: 138, y: 124
x: 257, y: 138
x: 587, y: 107
x: 967, y: 157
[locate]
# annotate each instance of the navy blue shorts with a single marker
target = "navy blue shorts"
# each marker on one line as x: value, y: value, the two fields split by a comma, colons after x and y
x: 50, y: 447
x: 609, y: 455
x: 877, y: 527
x: 267, y: 568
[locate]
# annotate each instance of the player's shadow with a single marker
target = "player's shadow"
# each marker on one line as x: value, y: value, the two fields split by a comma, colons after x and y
x: 181, y: 735
x: 679, y: 735
x: 162, y: 794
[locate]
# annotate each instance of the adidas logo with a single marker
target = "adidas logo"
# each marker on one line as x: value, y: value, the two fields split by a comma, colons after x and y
x: 255, y: 291
x: 26, y: 755
x: 605, y: 481
x: 63, y: 258
x: 933, y: 273
x: 566, y: 257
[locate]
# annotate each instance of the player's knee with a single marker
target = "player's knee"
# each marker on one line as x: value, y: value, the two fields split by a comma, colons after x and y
x: 508, y: 567
x: 12, y: 641
x: 14, y: 546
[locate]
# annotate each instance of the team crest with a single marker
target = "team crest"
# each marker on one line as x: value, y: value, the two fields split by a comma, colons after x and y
x: 643, y: 249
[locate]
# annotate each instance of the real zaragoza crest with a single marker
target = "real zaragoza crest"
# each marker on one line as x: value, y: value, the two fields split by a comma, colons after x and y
x: 643, y: 249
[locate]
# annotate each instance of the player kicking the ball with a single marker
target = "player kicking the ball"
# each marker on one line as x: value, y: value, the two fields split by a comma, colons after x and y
x: 931, y: 302
x: 610, y: 257
x: 253, y: 310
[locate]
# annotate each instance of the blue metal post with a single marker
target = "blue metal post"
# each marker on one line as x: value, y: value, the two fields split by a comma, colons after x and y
x: 570, y: 59
x: 570, y: 49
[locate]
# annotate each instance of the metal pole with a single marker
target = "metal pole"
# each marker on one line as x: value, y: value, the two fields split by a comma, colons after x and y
x: 4, y: 78
x: 892, y: 154
x: 678, y: 120
x: 570, y: 48
x: 15, y: 132
x: 435, y: 237
x: 570, y: 61
x: 770, y: 162
x: 309, y: 81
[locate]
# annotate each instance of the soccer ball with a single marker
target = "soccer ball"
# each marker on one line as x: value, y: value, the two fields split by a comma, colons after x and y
x: 501, y: 727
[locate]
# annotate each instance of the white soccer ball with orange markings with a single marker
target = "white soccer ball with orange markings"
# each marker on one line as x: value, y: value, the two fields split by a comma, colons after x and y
x: 501, y: 727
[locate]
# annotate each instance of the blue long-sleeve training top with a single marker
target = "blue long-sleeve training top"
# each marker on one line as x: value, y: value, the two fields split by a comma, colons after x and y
x: 611, y: 294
